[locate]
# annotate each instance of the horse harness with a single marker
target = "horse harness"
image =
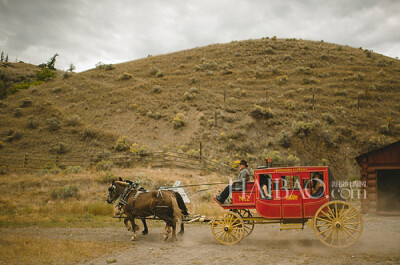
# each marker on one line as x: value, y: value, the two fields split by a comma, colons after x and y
x: 139, y: 190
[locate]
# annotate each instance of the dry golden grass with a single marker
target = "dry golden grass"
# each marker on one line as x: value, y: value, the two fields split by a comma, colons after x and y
x: 26, y: 202
x: 20, y: 249
x: 27, y: 199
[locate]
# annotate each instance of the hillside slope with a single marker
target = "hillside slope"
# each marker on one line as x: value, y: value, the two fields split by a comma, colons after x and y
x: 283, y: 98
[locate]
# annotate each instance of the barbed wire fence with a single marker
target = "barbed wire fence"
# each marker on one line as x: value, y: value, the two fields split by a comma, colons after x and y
x: 32, y: 162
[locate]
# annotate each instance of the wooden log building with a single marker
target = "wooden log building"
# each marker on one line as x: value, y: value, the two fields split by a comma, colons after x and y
x: 380, y: 170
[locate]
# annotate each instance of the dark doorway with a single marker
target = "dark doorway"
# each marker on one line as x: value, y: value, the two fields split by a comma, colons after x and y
x: 388, y: 188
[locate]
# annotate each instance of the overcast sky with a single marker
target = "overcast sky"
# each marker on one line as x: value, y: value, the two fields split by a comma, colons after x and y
x: 84, y: 32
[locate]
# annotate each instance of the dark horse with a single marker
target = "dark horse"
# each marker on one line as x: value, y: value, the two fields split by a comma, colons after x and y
x: 160, y: 203
x: 179, y: 199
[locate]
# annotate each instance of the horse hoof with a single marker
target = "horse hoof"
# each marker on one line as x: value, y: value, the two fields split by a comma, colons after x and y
x: 144, y: 232
x: 165, y: 238
x: 180, y: 233
x: 133, y: 238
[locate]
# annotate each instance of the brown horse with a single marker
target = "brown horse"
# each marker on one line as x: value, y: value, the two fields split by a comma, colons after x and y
x: 160, y: 203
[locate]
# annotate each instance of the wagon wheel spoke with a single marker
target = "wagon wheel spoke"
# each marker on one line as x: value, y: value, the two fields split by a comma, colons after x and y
x: 343, y: 226
x: 329, y: 234
x: 228, y: 228
x: 350, y: 234
x: 329, y: 217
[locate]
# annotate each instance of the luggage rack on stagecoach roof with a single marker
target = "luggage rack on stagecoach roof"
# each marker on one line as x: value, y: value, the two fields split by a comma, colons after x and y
x: 269, y: 164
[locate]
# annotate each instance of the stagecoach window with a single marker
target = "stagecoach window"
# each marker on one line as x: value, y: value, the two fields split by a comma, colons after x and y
x: 276, y: 184
x: 265, y: 186
x: 290, y: 182
x: 306, y: 183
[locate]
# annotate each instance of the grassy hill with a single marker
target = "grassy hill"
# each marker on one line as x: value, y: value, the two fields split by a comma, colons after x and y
x: 292, y: 100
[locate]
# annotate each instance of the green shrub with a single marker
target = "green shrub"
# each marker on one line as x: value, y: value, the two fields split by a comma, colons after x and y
x: 14, y: 136
x: 53, y: 124
x: 88, y: 133
x: 293, y: 160
x: 260, y: 112
x: 59, y: 148
x: 121, y: 144
x: 281, y: 80
x: 179, y: 121
x: 125, y: 76
x: 73, y: 170
x: 25, y: 102
x: 157, y: 89
x: 45, y: 74
x: 154, y: 115
x: 289, y: 105
x: 311, y: 80
x: 274, y: 155
x: 328, y: 118
x: 302, y: 129
x: 65, y: 192
x: 284, y: 139
x: 108, y: 177
x: 139, y: 150
x: 18, y: 112
x: 104, y: 165
x: 73, y: 120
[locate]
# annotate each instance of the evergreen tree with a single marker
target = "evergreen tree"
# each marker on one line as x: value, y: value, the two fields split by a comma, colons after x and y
x: 52, y: 62
x: 71, y: 68
x: 2, y: 56
x: 6, y: 59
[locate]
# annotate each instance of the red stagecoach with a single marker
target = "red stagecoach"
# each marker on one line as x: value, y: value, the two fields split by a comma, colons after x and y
x: 292, y: 200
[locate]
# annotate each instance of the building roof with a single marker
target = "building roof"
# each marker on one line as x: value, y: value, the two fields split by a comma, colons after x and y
x: 360, y: 157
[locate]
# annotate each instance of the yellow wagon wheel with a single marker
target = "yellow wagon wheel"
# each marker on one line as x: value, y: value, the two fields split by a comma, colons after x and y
x: 338, y: 224
x: 228, y: 228
x: 248, y: 225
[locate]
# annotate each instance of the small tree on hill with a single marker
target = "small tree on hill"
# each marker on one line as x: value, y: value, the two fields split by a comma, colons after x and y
x: 2, y: 56
x: 71, y: 68
x: 6, y: 59
x: 52, y: 62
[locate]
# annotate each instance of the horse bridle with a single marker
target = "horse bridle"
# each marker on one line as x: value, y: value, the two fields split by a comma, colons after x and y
x: 112, y: 190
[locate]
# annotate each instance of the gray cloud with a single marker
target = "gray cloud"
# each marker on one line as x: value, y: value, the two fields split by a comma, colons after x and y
x: 86, y: 32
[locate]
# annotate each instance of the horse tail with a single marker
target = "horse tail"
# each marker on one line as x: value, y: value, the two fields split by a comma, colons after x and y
x: 177, y: 211
x: 181, y: 203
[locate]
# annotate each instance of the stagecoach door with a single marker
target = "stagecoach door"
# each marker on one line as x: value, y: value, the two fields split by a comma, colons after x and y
x: 291, y: 195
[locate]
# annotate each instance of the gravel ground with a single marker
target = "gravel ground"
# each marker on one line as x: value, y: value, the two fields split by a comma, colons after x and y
x: 379, y: 244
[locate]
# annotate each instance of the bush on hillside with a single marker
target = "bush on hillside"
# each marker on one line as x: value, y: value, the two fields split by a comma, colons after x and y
x: 301, y: 129
x: 65, y: 192
x: 73, y: 170
x: 179, y: 121
x: 53, y: 124
x: 281, y: 80
x: 121, y: 144
x: 125, y: 76
x: 285, y: 139
x: 260, y: 112
x: 104, y: 165
x: 45, y: 74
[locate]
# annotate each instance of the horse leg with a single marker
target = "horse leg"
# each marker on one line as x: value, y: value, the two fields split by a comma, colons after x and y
x: 135, y: 228
x: 126, y: 220
x: 182, y: 229
x: 145, y: 231
x: 173, y: 225
x: 167, y: 231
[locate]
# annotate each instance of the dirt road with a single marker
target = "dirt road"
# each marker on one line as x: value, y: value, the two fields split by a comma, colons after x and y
x: 379, y: 244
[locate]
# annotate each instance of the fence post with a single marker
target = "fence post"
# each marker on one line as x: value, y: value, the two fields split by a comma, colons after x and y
x: 25, y: 161
x: 313, y: 101
x: 225, y: 95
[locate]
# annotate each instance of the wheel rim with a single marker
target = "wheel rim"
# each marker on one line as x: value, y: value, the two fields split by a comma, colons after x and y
x: 228, y: 228
x: 338, y: 224
x: 248, y: 225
